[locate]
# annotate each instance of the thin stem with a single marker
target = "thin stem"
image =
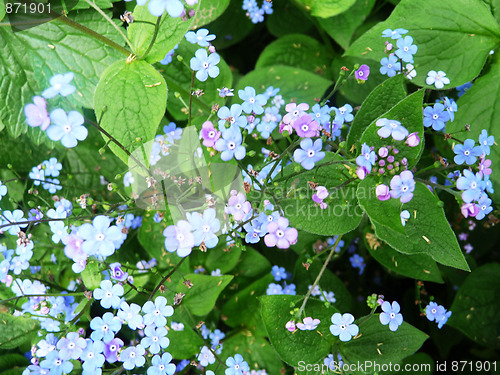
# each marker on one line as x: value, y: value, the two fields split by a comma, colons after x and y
x: 155, y: 34
x: 334, y: 246
x: 191, y: 97
x: 165, y: 278
x: 93, y: 5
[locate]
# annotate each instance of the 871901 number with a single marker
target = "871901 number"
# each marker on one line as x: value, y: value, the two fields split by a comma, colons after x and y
x: 31, y: 8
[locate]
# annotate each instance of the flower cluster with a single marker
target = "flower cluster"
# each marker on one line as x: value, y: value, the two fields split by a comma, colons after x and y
x: 437, y: 313
x: 256, y: 13
x: 392, y: 64
x: 202, y: 63
x: 280, y: 274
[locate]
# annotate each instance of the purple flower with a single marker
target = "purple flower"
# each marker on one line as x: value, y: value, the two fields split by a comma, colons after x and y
x: 472, y: 185
x: 402, y: 186
x: 179, y: 238
x: 362, y: 73
x: 484, y: 167
x: 209, y: 134
x: 309, y: 324
x: 203, y: 64
x: 367, y: 158
x: 133, y: 357
x: 467, y: 153
x: 111, y: 349
x: 290, y: 326
x: 321, y: 194
x: 60, y: 85
x: 391, y: 127
x: 309, y: 153
x: 71, y: 346
x: 36, y: 114
x: 101, y: 239
x: 413, y: 140
x: 382, y: 192
x: 391, y: 315
x: 306, y: 127
x: 109, y: 294
x: 67, y: 128
x: 280, y: 235
x: 238, y: 206
x: 117, y: 273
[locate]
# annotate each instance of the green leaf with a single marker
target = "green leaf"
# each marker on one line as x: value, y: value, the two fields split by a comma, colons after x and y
x: 409, y: 113
x: 479, y: 108
x: 296, y: 347
x: 342, y: 27
x: 376, y: 343
x: 15, y: 331
x: 171, y: 31
x: 28, y: 59
x: 223, y: 257
x: 427, y: 231
x: 91, y: 275
x: 416, y: 266
x: 103, y: 4
x: 178, y: 77
x: 2, y: 11
x: 494, y: 7
x: 255, y: 350
x: 467, y: 25
x: 208, y: 12
x: 295, y: 84
x: 201, y: 297
x: 342, y: 214
x: 476, y: 305
x: 381, y: 99
x: 299, y: 51
x: 327, y: 8
x: 15, y: 363
x: 130, y: 100
x: 185, y: 343
x: 252, y: 264
x: 152, y: 239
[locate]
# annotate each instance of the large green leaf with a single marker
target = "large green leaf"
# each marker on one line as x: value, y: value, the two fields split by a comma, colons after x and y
x: 327, y: 8
x: 130, y: 100
x: 299, y: 51
x: 295, y: 84
x: 427, y: 231
x: 13, y: 363
x: 16, y: 330
x: 454, y: 36
x: 28, y: 59
x: 287, y: 18
x: 296, y: 347
x: 376, y: 343
x: 185, y: 343
x: 342, y: 214
x: 416, y: 266
x: 170, y: 33
x: 476, y: 305
x: 381, y: 99
x: 91, y: 275
x: 201, y: 297
x: 478, y: 107
x: 209, y: 11
x: 409, y: 113
x: 178, y: 77
x: 2, y: 10
x: 342, y: 27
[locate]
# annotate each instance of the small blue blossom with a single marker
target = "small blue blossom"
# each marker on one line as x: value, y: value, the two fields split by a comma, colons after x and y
x: 205, y: 357
x: 462, y: 89
x: 485, y: 142
x: 232, y: 116
x: 472, y: 184
x: 236, y: 365
x: 157, y: 312
x: 230, y: 144
x: 168, y: 57
x: 12, y: 218
x: 367, y: 157
x: 204, y: 227
x: 321, y: 114
x: 60, y: 84
x: 133, y: 357
x: 343, y: 326
x: 52, y: 167
x: 274, y: 289
x: 391, y: 128
x: 406, y: 49
x: 357, y: 261
x: 174, y: 8
x: 37, y: 175
x: 100, y: 237
x: 394, y: 34
x: 161, y: 365
x: 391, y: 315
x: 403, y: 186
x: 155, y: 339
x: 252, y: 102
x: 271, y: 92
x: 172, y: 133
x: 405, y: 216
x: 309, y: 153
x: 201, y: 37
x: 484, y: 204
x: 443, y: 319
x: 344, y: 113
x: 109, y: 294
x: 223, y: 92
x: 56, y: 364
x: 467, y: 153
x: 289, y: 289
x: 92, y: 356
x: 71, y: 346
x: 433, y: 311
x: 216, y: 336
x: 131, y: 314
x: 451, y: 107
x: 390, y: 66
x: 67, y: 128
x: 279, y: 273
x: 205, y: 65
x: 52, y: 185
x: 436, y: 116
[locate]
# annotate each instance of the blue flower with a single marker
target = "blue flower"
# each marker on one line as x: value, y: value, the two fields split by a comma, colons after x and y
x: 216, y: 336
x: 109, y: 294
x: 59, y: 85
x: 484, y: 204
x: 133, y: 357
x: 232, y: 116
x: 201, y: 37
x: 236, y: 365
x: 67, y: 128
x: 271, y: 92
x: 289, y: 289
x: 205, y: 357
x: 204, y: 227
x: 322, y: 114
x: 52, y: 185
x: 443, y: 319
x: 472, y: 185
x: 309, y: 153
x: 168, y: 57
x: 467, y: 153
x: 172, y: 132
x: 391, y: 315
x: 173, y: 7
x: 230, y: 144
x: 12, y: 218
x: 279, y: 273
x: 390, y: 66
x: 52, y: 167
x: 205, y: 65
x: 161, y: 365
x: 256, y: 15
x: 92, y: 356
x: 274, y: 289
x: 71, y: 346
x: 157, y: 312
x: 343, y: 326
x: 357, y: 261
x: 344, y: 113
x: 462, y: 89
x: 394, y: 34
x: 451, y: 107
x: 3, y: 190
x: 267, y: 7
x: 433, y: 311
x: 486, y: 141
x: 37, y: 175
x: 131, y: 314
x: 391, y: 128
x: 436, y: 116
x: 155, y: 339
x: 367, y: 158
x: 405, y: 216
x: 403, y: 186
x: 406, y: 49
x: 56, y: 364
x: 100, y: 238
x: 251, y: 101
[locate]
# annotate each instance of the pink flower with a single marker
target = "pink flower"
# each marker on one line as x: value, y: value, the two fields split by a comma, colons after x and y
x: 382, y: 192
x: 36, y: 114
x: 321, y: 193
x: 306, y: 127
x: 469, y: 209
x: 280, y: 234
x: 238, y: 206
x: 290, y: 326
x: 361, y: 172
x: 413, y: 140
x: 209, y: 134
x: 294, y: 112
x: 484, y: 167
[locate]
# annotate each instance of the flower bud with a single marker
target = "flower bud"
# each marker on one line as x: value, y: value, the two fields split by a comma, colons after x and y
x: 413, y: 140
x: 361, y: 173
x: 383, y: 152
x: 382, y: 192
x: 290, y: 326
x: 469, y: 209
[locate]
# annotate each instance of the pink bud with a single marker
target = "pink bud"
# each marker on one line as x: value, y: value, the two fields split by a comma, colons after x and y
x: 390, y: 159
x: 382, y: 192
x: 290, y: 326
x: 361, y: 172
x: 211, y: 49
x: 322, y: 192
x: 383, y: 152
x: 388, y: 47
x: 381, y: 162
x: 413, y: 140
x: 469, y: 209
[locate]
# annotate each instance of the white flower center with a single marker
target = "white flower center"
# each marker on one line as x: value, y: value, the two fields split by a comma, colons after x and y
x: 238, y: 206
x: 305, y: 127
x: 99, y: 237
x: 393, y: 315
x: 360, y: 73
x: 206, y: 228
x: 280, y: 233
x: 180, y: 238
x: 435, y: 116
x: 231, y: 145
x: 473, y: 185
x: 132, y: 354
x: 295, y: 113
x: 205, y: 65
x: 389, y: 66
x: 67, y: 128
x: 251, y: 100
x: 211, y: 134
x: 310, y: 153
x: 466, y: 152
